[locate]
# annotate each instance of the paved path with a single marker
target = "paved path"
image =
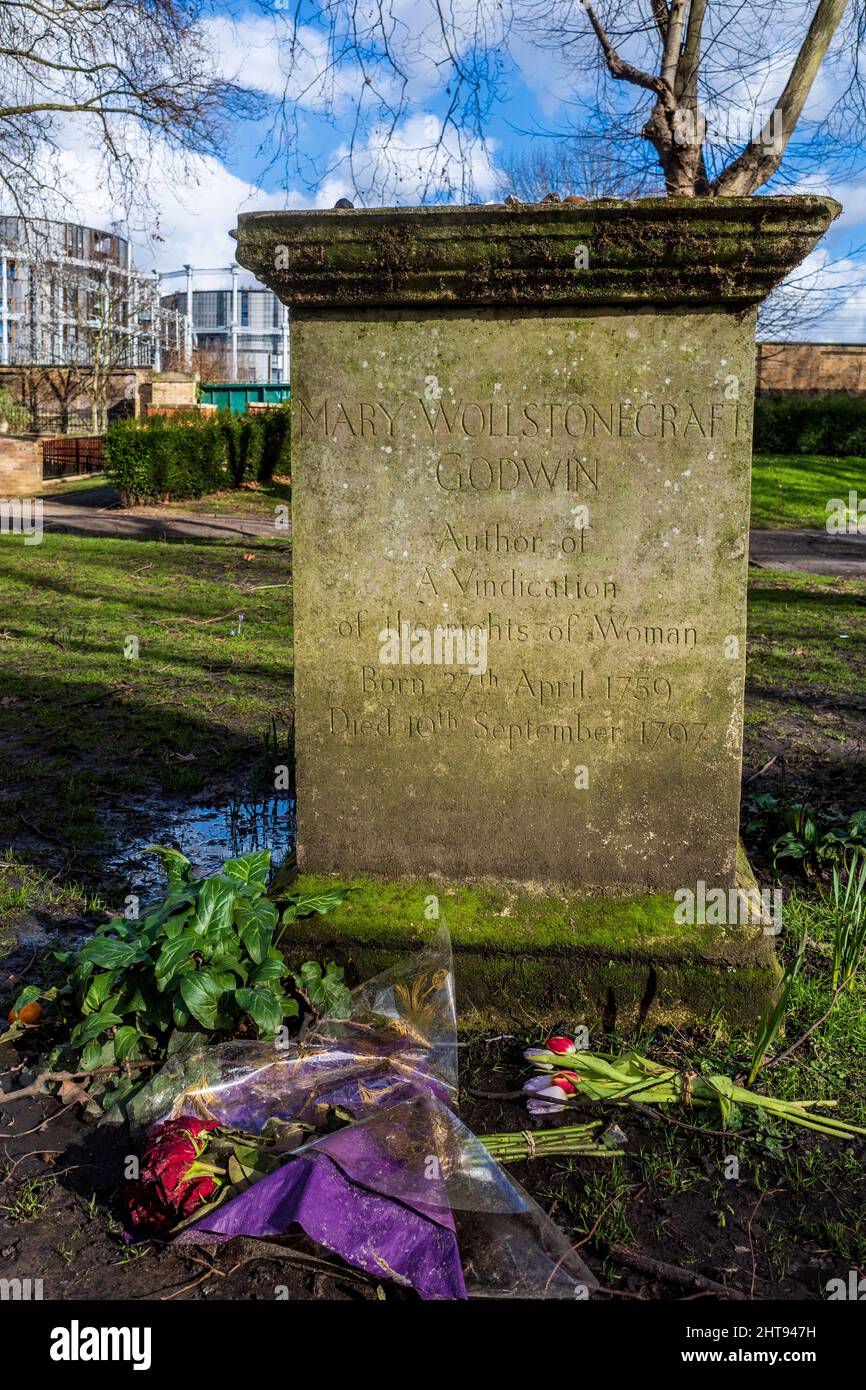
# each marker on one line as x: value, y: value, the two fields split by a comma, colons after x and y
x: 95, y: 512
x: 815, y: 552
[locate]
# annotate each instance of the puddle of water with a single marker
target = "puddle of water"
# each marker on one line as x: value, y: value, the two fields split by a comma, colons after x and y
x: 207, y: 835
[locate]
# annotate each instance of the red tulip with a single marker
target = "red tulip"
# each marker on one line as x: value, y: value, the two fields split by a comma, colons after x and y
x: 560, y: 1046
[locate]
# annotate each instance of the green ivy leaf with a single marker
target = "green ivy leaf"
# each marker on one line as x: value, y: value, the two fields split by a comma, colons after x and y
x: 325, y: 990
x: 174, y: 925
x: 91, y: 1054
x: 98, y: 990
x: 256, y: 922
x: 92, y: 1026
x: 28, y: 995
x: 271, y: 968
x: 125, y: 1042
x: 174, y: 954
x: 215, y: 905
x: 102, y: 950
x: 224, y: 963
x: 305, y: 904
x: 264, y: 1007
x: 180, y: 1016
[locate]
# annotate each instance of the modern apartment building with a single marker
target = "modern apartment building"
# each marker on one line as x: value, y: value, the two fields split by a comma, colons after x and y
x: 238, y: 330
x: 70, y: 295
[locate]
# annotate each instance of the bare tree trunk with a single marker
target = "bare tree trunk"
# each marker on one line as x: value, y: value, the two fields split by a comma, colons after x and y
x: 675, y: 127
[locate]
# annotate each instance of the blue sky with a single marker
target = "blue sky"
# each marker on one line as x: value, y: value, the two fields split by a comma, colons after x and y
x: 526, y: 89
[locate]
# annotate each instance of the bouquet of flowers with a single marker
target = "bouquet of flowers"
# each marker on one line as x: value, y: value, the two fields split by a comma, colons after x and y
x: 569, y: 1076
x: 351, y: 1135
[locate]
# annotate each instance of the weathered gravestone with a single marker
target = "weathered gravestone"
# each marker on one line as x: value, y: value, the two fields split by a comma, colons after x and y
x: 521, y: 463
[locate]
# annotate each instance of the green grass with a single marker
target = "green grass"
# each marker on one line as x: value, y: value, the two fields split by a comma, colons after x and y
x: 794, y: 489
x: 29, y: 1200
x: 25, y: 889
x: 806, y: 630
x: 252, y: 500
x: 67, y: 487
x: 82, y: 723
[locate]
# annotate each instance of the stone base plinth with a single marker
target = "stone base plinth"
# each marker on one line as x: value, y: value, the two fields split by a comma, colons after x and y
x: 525, y: 958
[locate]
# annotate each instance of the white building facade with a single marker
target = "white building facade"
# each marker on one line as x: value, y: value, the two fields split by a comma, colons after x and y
x: 238, y: 329
x: 70, y: 293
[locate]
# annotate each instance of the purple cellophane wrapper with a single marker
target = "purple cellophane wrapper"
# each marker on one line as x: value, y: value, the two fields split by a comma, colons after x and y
x: 405, y: 1192
x: 328, y: 1190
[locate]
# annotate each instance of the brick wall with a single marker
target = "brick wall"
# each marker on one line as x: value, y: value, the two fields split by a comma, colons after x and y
x: 165, y: 395
x: 20, y: 466
x: 812, y: 369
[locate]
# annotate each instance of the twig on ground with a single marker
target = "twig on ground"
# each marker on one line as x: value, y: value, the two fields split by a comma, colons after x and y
x: 761, y: 770
x: 673, y: 1274
x: 37, y: 1129
x: 37, y: 1087
x: 754, y: 1257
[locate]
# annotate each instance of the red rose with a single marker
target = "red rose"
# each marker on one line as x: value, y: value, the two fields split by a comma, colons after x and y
x: 163, y: 1194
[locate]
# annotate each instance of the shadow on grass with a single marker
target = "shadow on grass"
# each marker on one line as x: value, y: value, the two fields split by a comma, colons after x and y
x: 84, y: 762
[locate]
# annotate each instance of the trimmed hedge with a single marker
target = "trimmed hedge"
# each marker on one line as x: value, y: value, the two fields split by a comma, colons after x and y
x: 257, y: 444
x: 190, y: 455
x: 834, y: 425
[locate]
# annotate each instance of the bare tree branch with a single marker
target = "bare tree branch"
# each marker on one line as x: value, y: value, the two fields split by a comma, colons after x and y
x: 761, y: 158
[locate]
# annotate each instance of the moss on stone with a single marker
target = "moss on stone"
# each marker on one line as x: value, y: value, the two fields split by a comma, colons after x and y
x: 660, y: 250
x: 525, y: 957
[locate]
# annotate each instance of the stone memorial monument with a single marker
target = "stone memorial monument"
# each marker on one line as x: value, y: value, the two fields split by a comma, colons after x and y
x: 521, y: 447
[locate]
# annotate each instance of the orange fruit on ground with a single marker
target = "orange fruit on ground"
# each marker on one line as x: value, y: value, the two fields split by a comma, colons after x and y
x: 30, y: 1013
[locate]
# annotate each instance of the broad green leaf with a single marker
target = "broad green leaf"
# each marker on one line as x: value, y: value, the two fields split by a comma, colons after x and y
x: 181, y: 1016
x: 305, y: 904
x: 325, y: 990
x: 225, y: 963
x: 92, y: 1026
x: 250, y: 868
x: 102, y: 950
x: 180, y: 901
x: 177, y: 867
x: 118, y: 926
x: 203, y: 994
x: 135, y: 1002
x: 271, y: 968
x: 28, y: 995
x: 98, y: 1054
x: 98, y: 990
x: 264, y: 1007
x: 256, y: 922
x: 90, y: 1055
x: 173, y: 955
x: 174, y: 925
x: 125, y: 1042
x: 215, y: 905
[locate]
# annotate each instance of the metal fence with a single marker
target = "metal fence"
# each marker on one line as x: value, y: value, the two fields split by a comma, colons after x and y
x: 62, y: 422
x: 71, y: 454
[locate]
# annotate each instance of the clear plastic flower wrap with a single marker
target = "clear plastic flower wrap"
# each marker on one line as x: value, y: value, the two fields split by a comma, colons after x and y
x: 384, y: 1173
